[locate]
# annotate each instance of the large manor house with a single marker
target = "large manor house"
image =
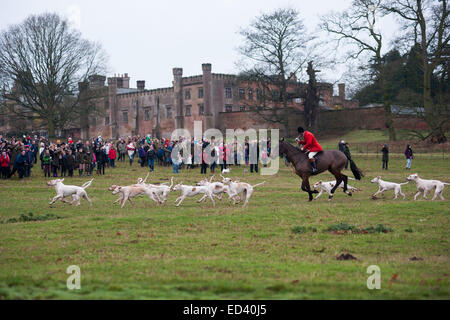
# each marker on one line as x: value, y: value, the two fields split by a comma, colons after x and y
x: 220, y: 101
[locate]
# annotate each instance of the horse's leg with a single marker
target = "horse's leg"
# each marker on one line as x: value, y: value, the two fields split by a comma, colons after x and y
x: 337, y: 174
x: 306, y: 187
x: 345, y: 178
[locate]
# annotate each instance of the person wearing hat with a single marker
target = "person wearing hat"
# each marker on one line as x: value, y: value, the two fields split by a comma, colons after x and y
x: 310, y: 145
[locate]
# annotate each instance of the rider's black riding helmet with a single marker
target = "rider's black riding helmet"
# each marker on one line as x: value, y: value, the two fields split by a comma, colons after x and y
x: 300, y: 130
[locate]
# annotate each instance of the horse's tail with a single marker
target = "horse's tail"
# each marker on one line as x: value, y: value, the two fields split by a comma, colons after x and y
x: 87, y: 184
x: 356, y: 172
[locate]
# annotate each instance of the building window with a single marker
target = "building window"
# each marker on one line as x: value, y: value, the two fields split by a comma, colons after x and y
x: 201, y: 109
x: 275, y: 95
x: 242, y: 108
x: 147, y: 114
x: 94, y: 121
x: 228, y: 94
x: 2, y: 122
x: 169, y: 112
x: 298, y: 100
x: 250, y: 94
x: 106, y: 121
x: 188, y: 111
x: 241, y: 93
x: 125, y: 116
x: 200, y: 93
x: 228, y: 108
x: 258, y: 95
x: 321, y: 103
x: 187, y: 94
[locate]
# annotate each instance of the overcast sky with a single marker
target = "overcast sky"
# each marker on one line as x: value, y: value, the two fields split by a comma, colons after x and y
x: 148, y: 38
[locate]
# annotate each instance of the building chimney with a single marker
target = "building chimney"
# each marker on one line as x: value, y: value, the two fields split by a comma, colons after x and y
x: 140, y: 84
x: 125, y: 81
x: 341, y: 87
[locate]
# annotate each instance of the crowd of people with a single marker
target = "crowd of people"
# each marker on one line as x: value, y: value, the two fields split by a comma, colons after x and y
x: 64, y: 158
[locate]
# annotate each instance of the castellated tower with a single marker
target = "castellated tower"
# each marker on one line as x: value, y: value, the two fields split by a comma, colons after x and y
x: 207, y: 88
x: 178, y: 97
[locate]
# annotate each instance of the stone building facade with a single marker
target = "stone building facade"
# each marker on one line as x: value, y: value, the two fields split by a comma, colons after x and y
x: 215, y: 99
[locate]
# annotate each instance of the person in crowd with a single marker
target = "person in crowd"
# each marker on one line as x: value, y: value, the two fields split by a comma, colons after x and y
x: 131, y: 149
x: 409, y: 156
x: 151, y: 157
x: 55, y: 162
x: 112, y: 156
x: 4, y: 164
x: 63, y: 162
x: 385, y: 157
x: 19, y: 164
x: 46, y: 163
x: 29, y: 159
x: 70, y: 162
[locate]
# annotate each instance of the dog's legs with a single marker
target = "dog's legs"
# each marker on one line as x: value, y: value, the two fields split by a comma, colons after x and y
x: 181, y: 201
x: 125, y: 198
x: 55, y: 198
x: 417, y: 194
x: 74, y: 198
x: 202, y: 198
x: 402, y: 194
x: 247, y: 194
x: 209, y: 194
x: 87, y: 198
x: 425, y: 194
x: 320, y: 193
x: 378, y: 192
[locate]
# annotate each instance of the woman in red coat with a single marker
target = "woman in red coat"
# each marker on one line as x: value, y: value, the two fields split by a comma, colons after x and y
x: 112, y: 156
x: 4, y: 164
x: 310, y: 145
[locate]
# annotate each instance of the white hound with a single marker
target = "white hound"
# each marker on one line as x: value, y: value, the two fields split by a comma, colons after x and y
x: 190, y: 191
x: 162, y: 190
x: 385, y: 185
x: 424, y: 186
x: 127, y: 192
x: 237, y: 188
x: 326, y: 186
x: 75, y: 192
x: 217, y: 188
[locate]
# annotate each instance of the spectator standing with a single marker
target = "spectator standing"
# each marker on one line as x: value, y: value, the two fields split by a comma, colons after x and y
x: 409, y: 156
x: 4, y: 164
x: 385, y: 157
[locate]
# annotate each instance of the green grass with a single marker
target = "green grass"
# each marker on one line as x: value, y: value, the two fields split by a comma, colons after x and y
x: 277, y: 248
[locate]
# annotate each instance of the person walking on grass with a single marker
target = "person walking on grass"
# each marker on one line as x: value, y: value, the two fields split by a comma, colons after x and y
x: 409, y: 156
x: 385, y: 157
x: 131, y: 150
x: 112, y: 156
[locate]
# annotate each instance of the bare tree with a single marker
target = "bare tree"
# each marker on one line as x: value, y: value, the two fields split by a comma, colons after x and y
x: 42, y: 60
x: 357, y: 28
x: 275, y: 49
x: 426, y: 23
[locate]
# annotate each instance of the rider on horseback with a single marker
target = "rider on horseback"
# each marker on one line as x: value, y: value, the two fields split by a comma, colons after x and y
x: 310, y: 145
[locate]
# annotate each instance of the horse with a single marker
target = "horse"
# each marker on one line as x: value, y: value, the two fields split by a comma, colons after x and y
x: 331, y: 160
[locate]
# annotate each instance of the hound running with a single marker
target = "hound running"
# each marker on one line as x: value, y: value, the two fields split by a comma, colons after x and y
x: 75, y: 192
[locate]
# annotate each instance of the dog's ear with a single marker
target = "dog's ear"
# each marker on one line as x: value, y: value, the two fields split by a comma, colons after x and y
x: 61, y: 179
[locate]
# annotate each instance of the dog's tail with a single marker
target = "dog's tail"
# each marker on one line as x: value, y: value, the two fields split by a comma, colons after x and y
x: 146, y: 177
x: 356, y: 171
x: 171, y: 183
x: 350, y: 178
x: 446, y: 183
x: 403, y: 183
x: 87, y: 184
x: 258, y: 184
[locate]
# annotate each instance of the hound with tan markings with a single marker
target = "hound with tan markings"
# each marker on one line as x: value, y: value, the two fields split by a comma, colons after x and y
x: 424, y: 186
x: 190, y: 191
x: 237, y: 188
x: 132, y: 191
x: 162, y: 190
x: 326, y: 186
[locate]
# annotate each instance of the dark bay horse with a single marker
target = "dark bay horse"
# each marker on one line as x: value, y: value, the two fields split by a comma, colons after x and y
x: 331, y: 160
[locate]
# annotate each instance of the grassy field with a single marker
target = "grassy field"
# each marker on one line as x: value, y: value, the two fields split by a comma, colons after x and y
x: 200, y: 252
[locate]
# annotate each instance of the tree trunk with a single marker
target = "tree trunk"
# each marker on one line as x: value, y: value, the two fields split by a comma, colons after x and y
x: 51, y: 128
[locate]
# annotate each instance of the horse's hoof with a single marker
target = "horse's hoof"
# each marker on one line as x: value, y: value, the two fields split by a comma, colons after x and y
x: 349, y: 194
x: 330, y: 197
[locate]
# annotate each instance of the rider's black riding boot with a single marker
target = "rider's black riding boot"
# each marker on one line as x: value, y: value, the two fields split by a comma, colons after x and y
x: 314, y: 166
